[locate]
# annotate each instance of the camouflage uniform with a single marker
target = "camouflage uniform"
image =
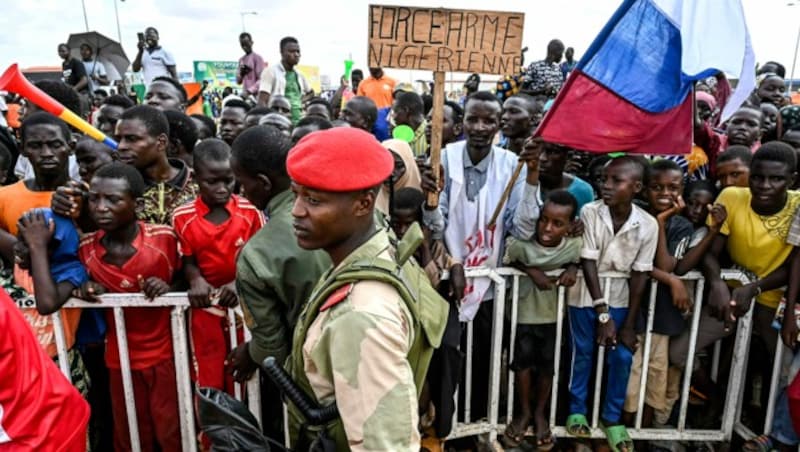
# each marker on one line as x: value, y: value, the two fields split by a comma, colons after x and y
x: 356, y: 351
x: 365, y: 338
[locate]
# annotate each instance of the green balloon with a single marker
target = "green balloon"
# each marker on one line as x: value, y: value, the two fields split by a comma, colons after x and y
x: 348, y: 69
x: 404, y: 133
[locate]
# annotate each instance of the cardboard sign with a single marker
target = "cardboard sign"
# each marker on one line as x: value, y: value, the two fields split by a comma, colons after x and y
x: 448, y: 40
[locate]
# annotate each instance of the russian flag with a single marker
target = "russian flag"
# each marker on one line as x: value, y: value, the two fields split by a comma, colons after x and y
x: 632, y: 90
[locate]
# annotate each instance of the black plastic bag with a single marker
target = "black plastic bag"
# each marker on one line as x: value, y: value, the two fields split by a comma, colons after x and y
x: 228, y: 423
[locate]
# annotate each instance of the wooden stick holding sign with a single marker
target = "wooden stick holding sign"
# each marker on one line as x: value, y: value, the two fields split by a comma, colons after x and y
x: 444, y: 40
x: 437, y: 123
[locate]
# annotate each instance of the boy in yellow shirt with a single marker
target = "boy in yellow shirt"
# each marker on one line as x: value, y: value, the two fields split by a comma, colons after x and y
x: 755, y: 236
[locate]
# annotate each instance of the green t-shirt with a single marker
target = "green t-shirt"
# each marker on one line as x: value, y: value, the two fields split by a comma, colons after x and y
x: 536, y: 306
x: 294, y: 95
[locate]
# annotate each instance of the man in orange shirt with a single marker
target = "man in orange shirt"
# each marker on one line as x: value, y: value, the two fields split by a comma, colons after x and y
x: 45, y: 142
x: 379, y: 87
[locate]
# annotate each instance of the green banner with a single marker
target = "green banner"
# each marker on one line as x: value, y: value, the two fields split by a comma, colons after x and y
x: 219, y: 74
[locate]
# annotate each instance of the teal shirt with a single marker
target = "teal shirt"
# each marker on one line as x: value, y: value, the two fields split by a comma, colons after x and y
x: 274, y: 279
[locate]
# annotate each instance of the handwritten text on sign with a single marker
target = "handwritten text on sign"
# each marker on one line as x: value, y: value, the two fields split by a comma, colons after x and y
x: 448, y: 40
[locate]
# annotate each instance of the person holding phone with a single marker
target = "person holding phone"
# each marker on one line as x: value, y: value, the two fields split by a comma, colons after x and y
x: 153, y: 60
x: 250, y: 66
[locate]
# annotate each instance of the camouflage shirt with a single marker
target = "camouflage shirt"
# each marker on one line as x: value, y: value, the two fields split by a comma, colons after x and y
x: 356, y: 352
x: 160, y: 199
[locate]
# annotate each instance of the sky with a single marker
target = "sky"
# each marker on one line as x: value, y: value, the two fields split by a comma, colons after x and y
x: 329, y: 31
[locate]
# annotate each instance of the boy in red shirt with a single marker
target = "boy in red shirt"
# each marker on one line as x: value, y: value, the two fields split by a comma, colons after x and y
x: 129, y: 256
x: 211, y: 231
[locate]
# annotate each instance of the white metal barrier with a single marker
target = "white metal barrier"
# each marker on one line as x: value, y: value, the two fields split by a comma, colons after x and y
x: 502, y: 277
x: 180, y: 340
x: 465, y: 426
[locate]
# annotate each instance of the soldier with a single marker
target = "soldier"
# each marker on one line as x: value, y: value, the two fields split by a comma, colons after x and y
x: 365, y: 338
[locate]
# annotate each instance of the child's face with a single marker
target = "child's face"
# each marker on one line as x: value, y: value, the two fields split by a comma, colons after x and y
x: 663, y: 189
x: 771, y: 90
x: 621, y: 183
x: 744, y: 127
x: 399, y: 167
x: 703, y: 110
x: 402, y: 219
x: 553, y: 224
x: 111, y: 204
x: 733, y: 173
x: 47, y: 149
x: 91, y: 155
x: 771, y: 113
x: 697, y: 206
x: 769, y: 182
x: 231, y: 123
x: 215, y: 180
x: 596, y: 178
x: 552, y: 161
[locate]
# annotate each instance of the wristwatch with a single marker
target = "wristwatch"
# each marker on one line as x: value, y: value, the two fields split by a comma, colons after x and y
x: 602, y: 316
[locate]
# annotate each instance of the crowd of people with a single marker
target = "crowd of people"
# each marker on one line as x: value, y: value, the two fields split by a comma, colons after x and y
x: 335, y: 239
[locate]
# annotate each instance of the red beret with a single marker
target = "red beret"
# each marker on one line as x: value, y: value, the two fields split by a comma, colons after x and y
x: 341, y: 159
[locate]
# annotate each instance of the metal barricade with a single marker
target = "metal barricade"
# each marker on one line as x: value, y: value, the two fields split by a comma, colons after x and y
x: 465, y: 426
x: 182, y: 355
x: 502, y: 277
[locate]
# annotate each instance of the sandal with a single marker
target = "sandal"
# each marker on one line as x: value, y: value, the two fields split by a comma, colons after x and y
x: 512, y: 437
x: 578, y: 426
x: 545, y: 441
x: 696, y: 397
x: 618, y: 438
x: 761, y: 443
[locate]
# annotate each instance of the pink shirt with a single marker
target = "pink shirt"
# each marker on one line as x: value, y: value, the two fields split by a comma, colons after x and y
x: 252, y: 79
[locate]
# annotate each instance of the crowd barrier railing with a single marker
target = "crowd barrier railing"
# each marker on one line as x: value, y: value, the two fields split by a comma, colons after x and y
x: 179, y: 303
x: 504, y: 279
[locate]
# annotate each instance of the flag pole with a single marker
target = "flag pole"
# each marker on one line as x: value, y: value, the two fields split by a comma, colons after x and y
x: 85, y: 17
x: 506, y: 194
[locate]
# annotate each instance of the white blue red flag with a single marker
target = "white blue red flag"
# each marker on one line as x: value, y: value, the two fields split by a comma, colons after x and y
x: 632, y: 90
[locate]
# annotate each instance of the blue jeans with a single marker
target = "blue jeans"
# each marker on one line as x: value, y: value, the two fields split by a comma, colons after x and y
x: 782, y: 426
x: 583, y: 322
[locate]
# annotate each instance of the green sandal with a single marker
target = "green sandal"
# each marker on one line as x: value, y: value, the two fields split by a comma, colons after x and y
x: 618, y: 437
x: 578, y: 426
